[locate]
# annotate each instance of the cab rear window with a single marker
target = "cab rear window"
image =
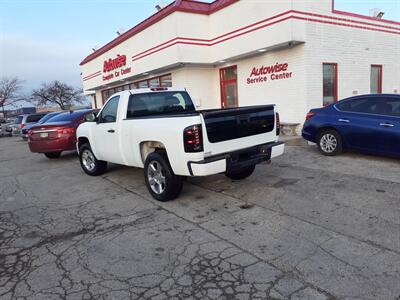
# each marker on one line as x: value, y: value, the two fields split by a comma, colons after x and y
x: 153, y: 104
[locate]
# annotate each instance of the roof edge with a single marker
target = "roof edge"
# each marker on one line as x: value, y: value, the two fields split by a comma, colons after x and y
x: 189, y: 6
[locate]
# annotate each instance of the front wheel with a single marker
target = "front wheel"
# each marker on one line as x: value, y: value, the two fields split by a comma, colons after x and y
x: 161, y: 181
x: 53, y: 155
x: 330, y: 143
x: 240, y: 173
x: 89, y: 163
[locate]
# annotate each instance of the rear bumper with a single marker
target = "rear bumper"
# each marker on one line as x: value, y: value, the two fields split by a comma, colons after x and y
x: 235, y: 160
x: 54, y: 145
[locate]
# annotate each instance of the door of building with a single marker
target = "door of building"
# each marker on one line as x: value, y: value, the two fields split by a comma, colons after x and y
x: 229, y: 90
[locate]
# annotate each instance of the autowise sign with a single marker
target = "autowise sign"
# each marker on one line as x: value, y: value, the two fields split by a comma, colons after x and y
x: 269, y: 73
x: 112, y: 67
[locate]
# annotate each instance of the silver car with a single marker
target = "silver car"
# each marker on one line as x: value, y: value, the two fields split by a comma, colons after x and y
x: 5, y: 128
x: 22, y: 120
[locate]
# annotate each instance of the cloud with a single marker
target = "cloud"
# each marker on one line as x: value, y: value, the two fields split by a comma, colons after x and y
x: 37, y: 61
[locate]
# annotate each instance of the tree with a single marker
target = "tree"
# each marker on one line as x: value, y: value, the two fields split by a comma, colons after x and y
x: 10, y: 89
x: 58, y: 93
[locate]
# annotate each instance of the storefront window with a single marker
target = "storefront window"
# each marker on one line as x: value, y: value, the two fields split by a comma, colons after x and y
x: 329, y: 84
x: 166, y: 81
x: 376, y: 79
x: 143, y: 84
x: 154, y: 82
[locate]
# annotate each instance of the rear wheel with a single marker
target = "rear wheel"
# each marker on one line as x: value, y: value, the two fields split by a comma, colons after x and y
x: 89, y: 163
x: 240, y: 174
x: 330, y: 143
x: 161, y: 181
x: 53, y: 155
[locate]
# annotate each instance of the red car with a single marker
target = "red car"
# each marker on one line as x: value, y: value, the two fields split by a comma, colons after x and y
x: 58, y: 135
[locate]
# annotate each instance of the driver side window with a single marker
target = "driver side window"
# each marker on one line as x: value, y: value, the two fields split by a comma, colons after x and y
x: 109, y: 112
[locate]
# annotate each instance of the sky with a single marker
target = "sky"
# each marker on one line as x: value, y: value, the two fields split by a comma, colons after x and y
x: 45, y: 40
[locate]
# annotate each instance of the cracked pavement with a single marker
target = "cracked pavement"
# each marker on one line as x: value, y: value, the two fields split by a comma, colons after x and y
x: 317, y: 228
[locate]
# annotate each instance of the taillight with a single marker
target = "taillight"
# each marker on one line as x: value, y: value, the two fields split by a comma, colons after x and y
x: 310, y: 115
x: 193, y: 139
x: 21, y: 125
x: 30, y: 133
x: 278, y: 124
x: 66, y: 130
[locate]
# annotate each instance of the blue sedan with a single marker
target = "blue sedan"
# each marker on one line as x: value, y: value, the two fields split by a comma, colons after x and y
x: 369, y: 123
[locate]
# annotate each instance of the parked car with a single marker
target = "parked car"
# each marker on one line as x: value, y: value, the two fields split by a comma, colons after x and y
x: 58, y: 134
x: 160, y: 130
x: 5, y: 128
x: 22, y: 120
x: 369, y: 123
x: 44, y: 119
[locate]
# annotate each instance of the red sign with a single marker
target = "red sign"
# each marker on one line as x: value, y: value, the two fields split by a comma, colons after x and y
x: 112, y: 64
x: 116, y: 63
x: 267, y: 73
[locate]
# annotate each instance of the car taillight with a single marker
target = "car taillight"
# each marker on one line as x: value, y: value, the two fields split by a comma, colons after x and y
x: 21, y: 125
x: 193, y: 139
x: 30, y: 133
x: 66, y: 130
x: 278, y: 124
x: 310, y: 115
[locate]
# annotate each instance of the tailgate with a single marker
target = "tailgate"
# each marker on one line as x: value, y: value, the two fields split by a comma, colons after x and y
x: 238, y: 128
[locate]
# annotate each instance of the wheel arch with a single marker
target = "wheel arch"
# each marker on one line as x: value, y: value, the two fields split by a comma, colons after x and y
x: 82, y: 140
x: 147, y: 147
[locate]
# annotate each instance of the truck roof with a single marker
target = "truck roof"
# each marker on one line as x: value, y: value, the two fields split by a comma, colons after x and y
x: 153, y: 90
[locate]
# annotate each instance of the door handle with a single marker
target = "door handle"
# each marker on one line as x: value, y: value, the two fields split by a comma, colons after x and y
x: 111, y: 131
x: 344, y: 120
x: 386, y: 125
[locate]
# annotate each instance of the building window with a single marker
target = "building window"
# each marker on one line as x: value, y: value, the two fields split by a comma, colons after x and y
x: 229, y: 90
x: 166, y: 81
x: 330, y: 83
x: 154, y: 82
x: 376, y: 79
x: 143, y: 84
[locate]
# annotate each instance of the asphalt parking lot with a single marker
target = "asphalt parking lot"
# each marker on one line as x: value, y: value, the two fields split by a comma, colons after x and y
x: 317, y: 228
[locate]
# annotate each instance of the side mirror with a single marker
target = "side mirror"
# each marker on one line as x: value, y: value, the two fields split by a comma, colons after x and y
x: 91, y: 117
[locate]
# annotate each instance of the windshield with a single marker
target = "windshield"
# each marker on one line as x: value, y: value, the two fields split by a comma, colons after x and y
x: 147, y: 104
x: 48, y: 117
x: 69, y: 116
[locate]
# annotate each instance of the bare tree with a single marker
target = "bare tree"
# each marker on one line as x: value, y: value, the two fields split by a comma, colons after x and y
x: 10, y: 91
x: 58, y: 93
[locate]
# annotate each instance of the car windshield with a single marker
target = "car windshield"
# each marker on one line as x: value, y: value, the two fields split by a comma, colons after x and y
x: 68, y: 116
x: 18, y: 120
x: 48, y: 117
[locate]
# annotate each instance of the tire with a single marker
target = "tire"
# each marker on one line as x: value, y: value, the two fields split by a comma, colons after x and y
x: 330, y: 143
x: 89, y: 163
x: 52, y: 155
x: 162, y: 183
x: 240, y: 173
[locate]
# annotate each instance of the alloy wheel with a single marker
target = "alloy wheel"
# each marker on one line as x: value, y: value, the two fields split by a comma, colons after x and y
x: 156, y: 177
x: 88, y: 160
x: 328, y: 143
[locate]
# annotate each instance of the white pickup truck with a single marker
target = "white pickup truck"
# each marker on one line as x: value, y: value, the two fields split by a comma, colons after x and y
x: 160, y: 130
